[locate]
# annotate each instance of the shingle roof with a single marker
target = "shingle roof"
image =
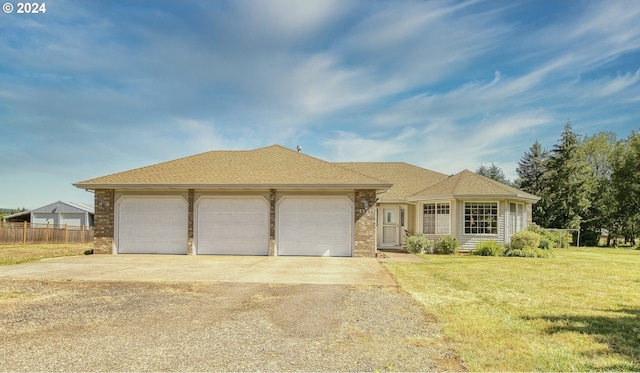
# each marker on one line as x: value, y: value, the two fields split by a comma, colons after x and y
x: 269, y: 167
x: 65, y: 207
x: 470, y: 184
x: 407, y: 179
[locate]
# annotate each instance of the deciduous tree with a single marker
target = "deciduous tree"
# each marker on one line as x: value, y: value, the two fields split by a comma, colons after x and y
x: 626, y: 181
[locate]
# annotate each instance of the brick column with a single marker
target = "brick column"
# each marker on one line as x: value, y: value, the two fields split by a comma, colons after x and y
x: 365, y: 223
x: 190, y: 222
x: 272, y: 222
x: 103, y: 221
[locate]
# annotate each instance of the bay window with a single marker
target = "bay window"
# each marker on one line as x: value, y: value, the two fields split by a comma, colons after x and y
x: 481, y: 218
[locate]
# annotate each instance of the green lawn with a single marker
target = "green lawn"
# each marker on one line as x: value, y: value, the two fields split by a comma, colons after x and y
x: 14, y: 254
x: 579, y: 311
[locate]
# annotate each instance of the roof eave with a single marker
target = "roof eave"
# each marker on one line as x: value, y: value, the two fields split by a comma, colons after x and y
x: 91, y: 186
x: 475, y: 196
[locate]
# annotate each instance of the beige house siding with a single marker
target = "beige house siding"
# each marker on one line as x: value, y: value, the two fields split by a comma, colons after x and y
x: 411, y: 219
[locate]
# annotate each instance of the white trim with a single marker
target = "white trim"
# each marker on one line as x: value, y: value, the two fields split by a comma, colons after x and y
x: 124, y: 197
x: 302, y: 196
x: 238, y: 197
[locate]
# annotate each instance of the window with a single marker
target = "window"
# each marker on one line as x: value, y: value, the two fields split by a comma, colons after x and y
x: 481, y: 218
x: 436, y: 218
x: 517, y: 217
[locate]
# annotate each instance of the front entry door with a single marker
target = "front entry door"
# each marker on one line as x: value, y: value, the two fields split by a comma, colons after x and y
x: 390, y: 226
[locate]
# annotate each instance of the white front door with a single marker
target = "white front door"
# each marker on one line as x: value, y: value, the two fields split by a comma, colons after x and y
x: 391, y: 226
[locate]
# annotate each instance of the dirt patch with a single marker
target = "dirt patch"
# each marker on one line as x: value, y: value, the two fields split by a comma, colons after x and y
x: 128, y: 326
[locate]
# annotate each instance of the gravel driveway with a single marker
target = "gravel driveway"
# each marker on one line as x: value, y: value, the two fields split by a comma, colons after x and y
x: 154, y: 326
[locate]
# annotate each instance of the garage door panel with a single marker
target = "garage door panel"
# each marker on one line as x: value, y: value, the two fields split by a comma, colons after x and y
x: 233, y: 226
x: 313, y: 226
x: 155, y: 225
x: 232, y: 220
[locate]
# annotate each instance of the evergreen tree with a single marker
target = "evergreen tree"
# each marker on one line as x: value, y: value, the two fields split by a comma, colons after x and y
x: 567, y: 182
x: 494, y: 172
x: 533, y: 178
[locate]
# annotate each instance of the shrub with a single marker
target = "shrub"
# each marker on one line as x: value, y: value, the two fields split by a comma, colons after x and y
x: 562, y: 238
x: 529, y: 244
x: 419, y: 244
x: 551, y: 240
x: 547, y: 239
x: 529, y: 253
x: 447, y: 245
x: 489, y: 248
x: 525, y: 240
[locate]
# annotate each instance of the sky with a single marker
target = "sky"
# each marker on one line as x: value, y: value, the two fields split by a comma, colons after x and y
x: 90, y: 88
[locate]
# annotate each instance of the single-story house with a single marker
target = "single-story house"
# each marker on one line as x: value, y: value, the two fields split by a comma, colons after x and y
x: 56, y: 214
x: 276, y: 201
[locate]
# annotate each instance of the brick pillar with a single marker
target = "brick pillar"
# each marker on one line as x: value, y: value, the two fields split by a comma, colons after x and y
x: 103, y: 221
x: 190, y: 222
x: 365, y: 223
x: 272, y: 222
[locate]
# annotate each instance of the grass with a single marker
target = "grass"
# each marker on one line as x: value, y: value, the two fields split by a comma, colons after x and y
x: 15, y: 254
x: 579, y: 311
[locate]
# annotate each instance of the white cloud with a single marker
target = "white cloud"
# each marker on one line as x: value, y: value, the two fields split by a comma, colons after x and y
x: 446, y: 147
x: 351, y: 147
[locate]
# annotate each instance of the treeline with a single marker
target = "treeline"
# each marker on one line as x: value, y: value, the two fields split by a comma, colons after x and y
x: 5, y: 212
x: 586, y: 182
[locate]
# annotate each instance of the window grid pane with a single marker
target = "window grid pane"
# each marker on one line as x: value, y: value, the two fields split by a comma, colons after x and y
x: 436, y: 218
x: 429, y: 219
x: 481, y: 218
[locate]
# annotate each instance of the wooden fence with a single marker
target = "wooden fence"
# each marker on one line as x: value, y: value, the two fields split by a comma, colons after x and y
x: 26, y: 233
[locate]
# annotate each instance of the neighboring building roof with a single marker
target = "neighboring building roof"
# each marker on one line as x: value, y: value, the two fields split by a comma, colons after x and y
x: 272, y: 166
x: 60, y: 206
x: 407, y: 179
x: 27, y: 216
x: 64, y: 207
x: 470, y: 184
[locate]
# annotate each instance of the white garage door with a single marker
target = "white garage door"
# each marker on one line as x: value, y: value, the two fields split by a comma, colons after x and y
x: 152, y: 225
x: 232, y: 226
x: 320, y: 226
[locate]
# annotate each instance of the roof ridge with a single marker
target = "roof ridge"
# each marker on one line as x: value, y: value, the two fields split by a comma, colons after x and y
x: 359, y: 173
x: 397, y: 162
x: 459, y: 178
x: 332, y: 164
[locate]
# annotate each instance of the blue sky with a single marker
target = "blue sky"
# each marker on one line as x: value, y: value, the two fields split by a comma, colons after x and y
x: 95, y: 87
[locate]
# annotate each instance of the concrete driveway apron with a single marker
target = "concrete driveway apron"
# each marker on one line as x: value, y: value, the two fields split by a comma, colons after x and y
x: 182, y: 268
